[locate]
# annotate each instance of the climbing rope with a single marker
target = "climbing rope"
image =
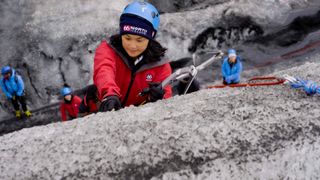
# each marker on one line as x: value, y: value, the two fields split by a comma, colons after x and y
x: 309, y: 87
x: 255, y: 81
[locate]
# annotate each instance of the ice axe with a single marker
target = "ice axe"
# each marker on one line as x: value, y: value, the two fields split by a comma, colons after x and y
x: 187, y: 72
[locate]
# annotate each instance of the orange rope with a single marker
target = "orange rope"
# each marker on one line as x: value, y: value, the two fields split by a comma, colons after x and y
x: 276, y: 81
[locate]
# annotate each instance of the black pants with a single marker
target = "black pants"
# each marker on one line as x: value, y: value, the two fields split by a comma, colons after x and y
x: 225, y: 83
x: 19, y: 99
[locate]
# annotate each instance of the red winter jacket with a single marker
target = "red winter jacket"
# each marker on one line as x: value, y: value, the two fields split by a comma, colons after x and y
x: 93, y: 107
x: 112, y: 76
x: 72, y: 108
x: 88, y: 106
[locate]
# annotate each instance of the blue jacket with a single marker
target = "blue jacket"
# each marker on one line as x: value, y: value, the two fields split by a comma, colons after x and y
x: 13, y: 86
x: 231, y: 73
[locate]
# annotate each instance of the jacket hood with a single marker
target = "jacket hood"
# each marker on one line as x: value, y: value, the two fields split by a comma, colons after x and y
x: 13, y: 73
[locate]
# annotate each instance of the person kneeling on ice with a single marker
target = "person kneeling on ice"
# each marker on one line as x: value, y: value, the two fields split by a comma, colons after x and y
x: 70, y: 104
x: 13, y: 87
x: 132, y: 62
x: 231, y: 68
x: 90, y: 102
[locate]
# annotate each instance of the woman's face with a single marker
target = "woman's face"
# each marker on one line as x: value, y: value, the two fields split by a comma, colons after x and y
x: 232, y: 59
x: 134, y: 45
x: 68, y: 97
x: 6, y: 76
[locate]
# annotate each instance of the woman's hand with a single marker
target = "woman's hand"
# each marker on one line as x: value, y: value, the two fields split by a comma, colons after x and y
x: 156, y: 92
x: 110, y: 103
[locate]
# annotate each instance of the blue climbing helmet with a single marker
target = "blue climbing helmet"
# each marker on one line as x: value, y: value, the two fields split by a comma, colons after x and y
x: 144, y: 10
x: 232, y: 52
x: 65, y: 91
x: 6, y: 70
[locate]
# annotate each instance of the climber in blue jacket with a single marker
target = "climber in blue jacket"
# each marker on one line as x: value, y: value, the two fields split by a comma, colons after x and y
x: 13, y: 87
x: 231, y: 68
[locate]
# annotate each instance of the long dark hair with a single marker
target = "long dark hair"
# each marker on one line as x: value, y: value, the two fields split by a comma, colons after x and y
x: 154, y: 52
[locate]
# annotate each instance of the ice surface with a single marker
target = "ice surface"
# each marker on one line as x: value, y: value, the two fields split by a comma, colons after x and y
x: 232, y: 133
x: 246, y: 133
x: 54, y: 41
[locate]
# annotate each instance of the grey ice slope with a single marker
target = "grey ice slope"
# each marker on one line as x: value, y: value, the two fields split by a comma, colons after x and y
x: 245, y: 133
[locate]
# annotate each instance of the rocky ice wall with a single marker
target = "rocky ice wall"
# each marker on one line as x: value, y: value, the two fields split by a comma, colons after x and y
x: 52, y: 42
x: 232, y: 133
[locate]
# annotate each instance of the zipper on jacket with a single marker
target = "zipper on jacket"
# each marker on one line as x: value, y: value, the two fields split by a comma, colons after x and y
x: 129, y: 88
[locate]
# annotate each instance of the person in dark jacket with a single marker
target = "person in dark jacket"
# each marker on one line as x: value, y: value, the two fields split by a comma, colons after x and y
x: 132, y: 61
x: 90, y: 102
x: 231, y: 68
x: 13, y: 87
x: 69, y: 107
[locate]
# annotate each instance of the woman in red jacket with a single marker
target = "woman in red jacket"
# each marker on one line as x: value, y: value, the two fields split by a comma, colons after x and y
x: 70, y: 104
x: 132, y: 61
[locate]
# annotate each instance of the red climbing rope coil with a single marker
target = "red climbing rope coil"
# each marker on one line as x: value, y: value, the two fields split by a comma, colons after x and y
x: 255, y: 81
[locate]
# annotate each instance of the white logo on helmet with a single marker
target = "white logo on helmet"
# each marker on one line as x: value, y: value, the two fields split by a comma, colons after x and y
x: 135, y: 29
x: 126, y: 28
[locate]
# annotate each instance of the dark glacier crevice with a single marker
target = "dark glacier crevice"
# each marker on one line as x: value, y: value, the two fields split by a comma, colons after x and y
x: 32, y: 83
x: 60, y: 59
x: 293, y: 33
x: 235, y: 30
x: 231, y: 31
x: 45, y: 55
x: 169, y: 6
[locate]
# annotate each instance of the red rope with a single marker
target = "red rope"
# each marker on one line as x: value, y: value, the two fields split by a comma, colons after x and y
x: 252, y: 82
x: 296, y: 53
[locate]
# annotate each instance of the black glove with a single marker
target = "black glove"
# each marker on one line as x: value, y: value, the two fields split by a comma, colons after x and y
x: 155, y: 92
x: 109, y: 103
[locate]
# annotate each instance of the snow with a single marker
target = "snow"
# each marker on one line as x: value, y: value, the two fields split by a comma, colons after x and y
x: 232, y: 133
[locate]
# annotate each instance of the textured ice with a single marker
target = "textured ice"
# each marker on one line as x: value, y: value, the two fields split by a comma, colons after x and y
x: 232, y: 133
x: 75, y: 18
x: 246, y: 133
x: 52, y: 42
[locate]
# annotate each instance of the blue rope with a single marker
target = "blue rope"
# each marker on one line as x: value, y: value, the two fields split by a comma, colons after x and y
x: 298, y: 83
x: 309, y: 87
